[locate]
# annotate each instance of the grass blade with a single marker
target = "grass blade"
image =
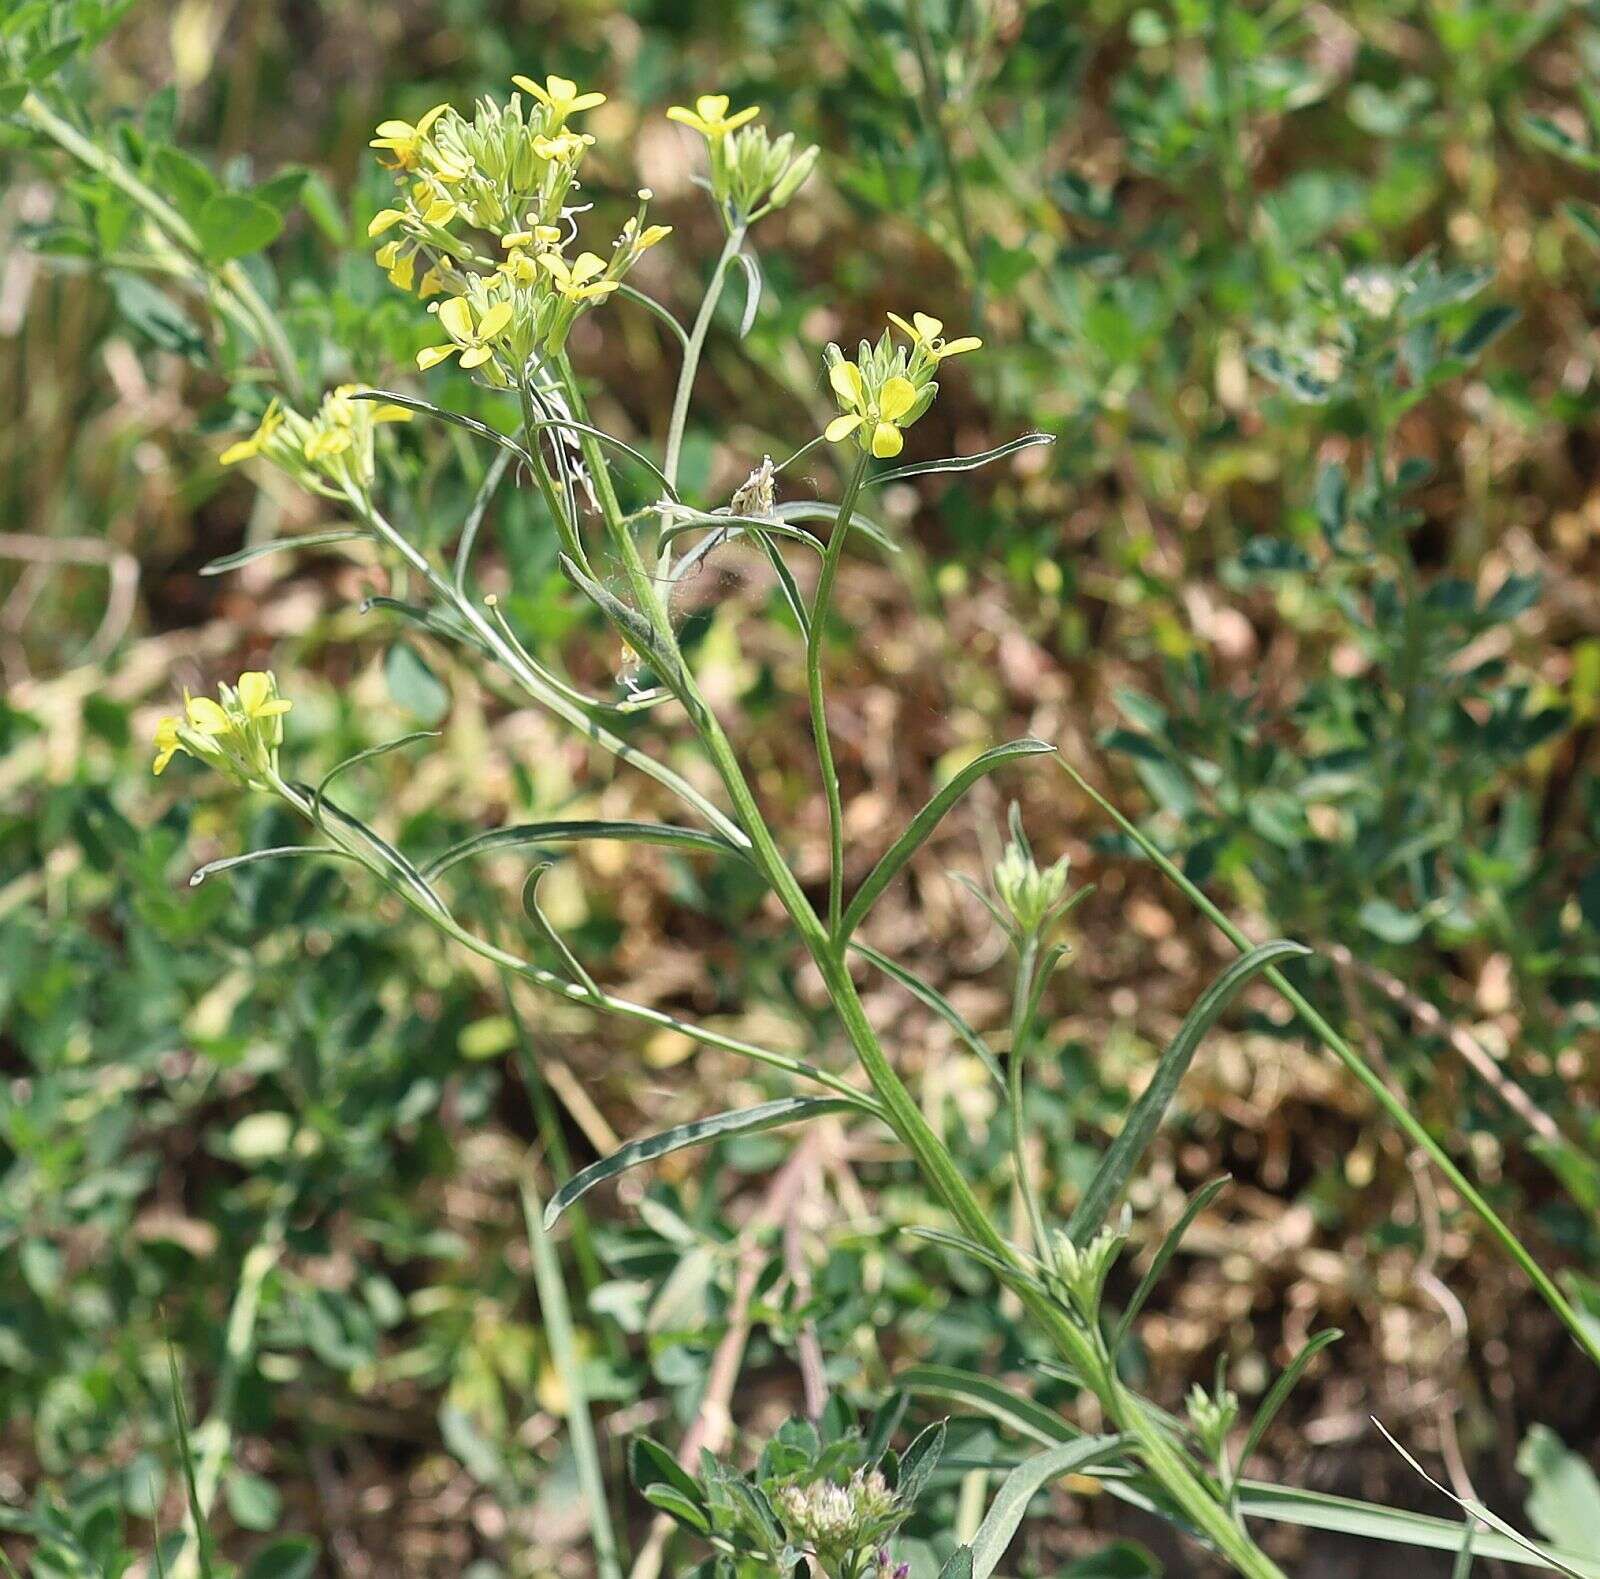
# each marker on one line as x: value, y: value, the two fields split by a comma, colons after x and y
x: 1281, y: 1389
x: 1198, y: 1202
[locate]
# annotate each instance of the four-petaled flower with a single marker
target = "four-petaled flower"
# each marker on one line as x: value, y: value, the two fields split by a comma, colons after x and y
x: 880, y: 416
x: 472, y: 339
x: 560, y: 96
x: 404, y: 140
x: 238, y: 735
x: 580, y: 280
x: 924, y: 332
x: 710, y: 116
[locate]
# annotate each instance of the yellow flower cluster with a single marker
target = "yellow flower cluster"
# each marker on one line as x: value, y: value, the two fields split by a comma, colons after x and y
x: 508, y: 171
x: 238, y: 734
x: 751, y: 174
x: 328, y: 450
x: 889, y: 386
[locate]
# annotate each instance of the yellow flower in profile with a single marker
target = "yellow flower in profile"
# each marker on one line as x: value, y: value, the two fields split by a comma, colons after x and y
x: 560, y: 96
x: 580, y: 280
x: 248, y: 449
x: 405, y: 141
x: 239, y: 734
x: 710, y: 116
x: 924, y: 331
x: 167, y: 745
x: 878, y: 418
x: 471, y: 338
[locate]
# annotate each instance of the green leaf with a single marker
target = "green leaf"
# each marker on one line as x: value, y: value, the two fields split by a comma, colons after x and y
x: 1285, y: 1384
x: 1020, y: 1487
x: 1198, y: 1202
x: 277, y: 852
x: 650, y: 1464
x: 183, y: 181
x: 428, y: 409
x: 578, y: 831
x: 940, y: 1005
x: 293, y: 1557
x: 926, y: 820
x: 231, y: 225
x: 475, y: 517
x: 1564, y: 1501
x: 1141, y: 1124
x: 958, y: 1565
x: 1586, y: 218
x: 960, y: 463
x: 740, y: 1121
x: 1120, y: 1560
x: 990, y: 1398
x: 1386, y: 920
x: 677, y: 1506
x: 339, y: 769
x: 278, y: 545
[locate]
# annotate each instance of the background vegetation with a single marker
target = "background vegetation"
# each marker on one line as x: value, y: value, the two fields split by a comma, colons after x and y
x: 1307, y: 583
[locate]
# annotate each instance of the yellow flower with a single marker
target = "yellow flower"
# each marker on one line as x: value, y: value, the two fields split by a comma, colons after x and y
x: 384, y: 219
x: 710, y: 116
x: 405, y: 141
x: 560, y: 96
x: 167, y: 745
x: 238, y: 734
x: 248, y: 449
x: 880, y: 416
x: 399, y: 263
x: 924, y: 333
x: 580, y: 280
x: 471, y: 338
x: 258, y: 694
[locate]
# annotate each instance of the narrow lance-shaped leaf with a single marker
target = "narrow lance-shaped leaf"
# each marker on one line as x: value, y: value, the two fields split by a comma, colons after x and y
x: 940, y: 1005
x: 960, y: 463
x: 533, y: 835
x: 1198, y: 1202
x: 547, y: 930
x: 250, y: 858
x: 279, y: 545
x: 1141, y: 1124
x: 428, y: 409
x: 925, y: 821
x: 1002, y: 1269
x: 1019, y: 1488
x: 742, y: 1121
x: 988, y: 1397
x: 1279, y: 1393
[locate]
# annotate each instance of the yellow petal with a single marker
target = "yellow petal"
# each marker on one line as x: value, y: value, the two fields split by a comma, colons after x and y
x: 244, y: 450
x: 389, y: 413
x: 928, y: 328
x: 255, y: 690
x: 428, y: 119
x: 886, y: 440
x: 433, y: 355
x: 383, y: 220
x: 397, y: 131
x: 586, y: 266
x: 739, y: 119
x: 687, y: 118
x: 456, y: 316
x: 561, y: 89
x: 846, y: 380
x: 902, y: 325
x: 207, y: 716
x: 476, y: 356
x: 585, y: 101
x: 968, y: 342
x: 163, y: 757
x: 494, y: 320
x: 841, y: 428
x: 528, y: 85
x: 712, y: 106
x: 896, y: 398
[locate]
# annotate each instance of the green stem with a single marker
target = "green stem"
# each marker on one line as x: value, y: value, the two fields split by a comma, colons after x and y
x: 1021, y: 1024
x: 691, y: 351
x: 819, y: 717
